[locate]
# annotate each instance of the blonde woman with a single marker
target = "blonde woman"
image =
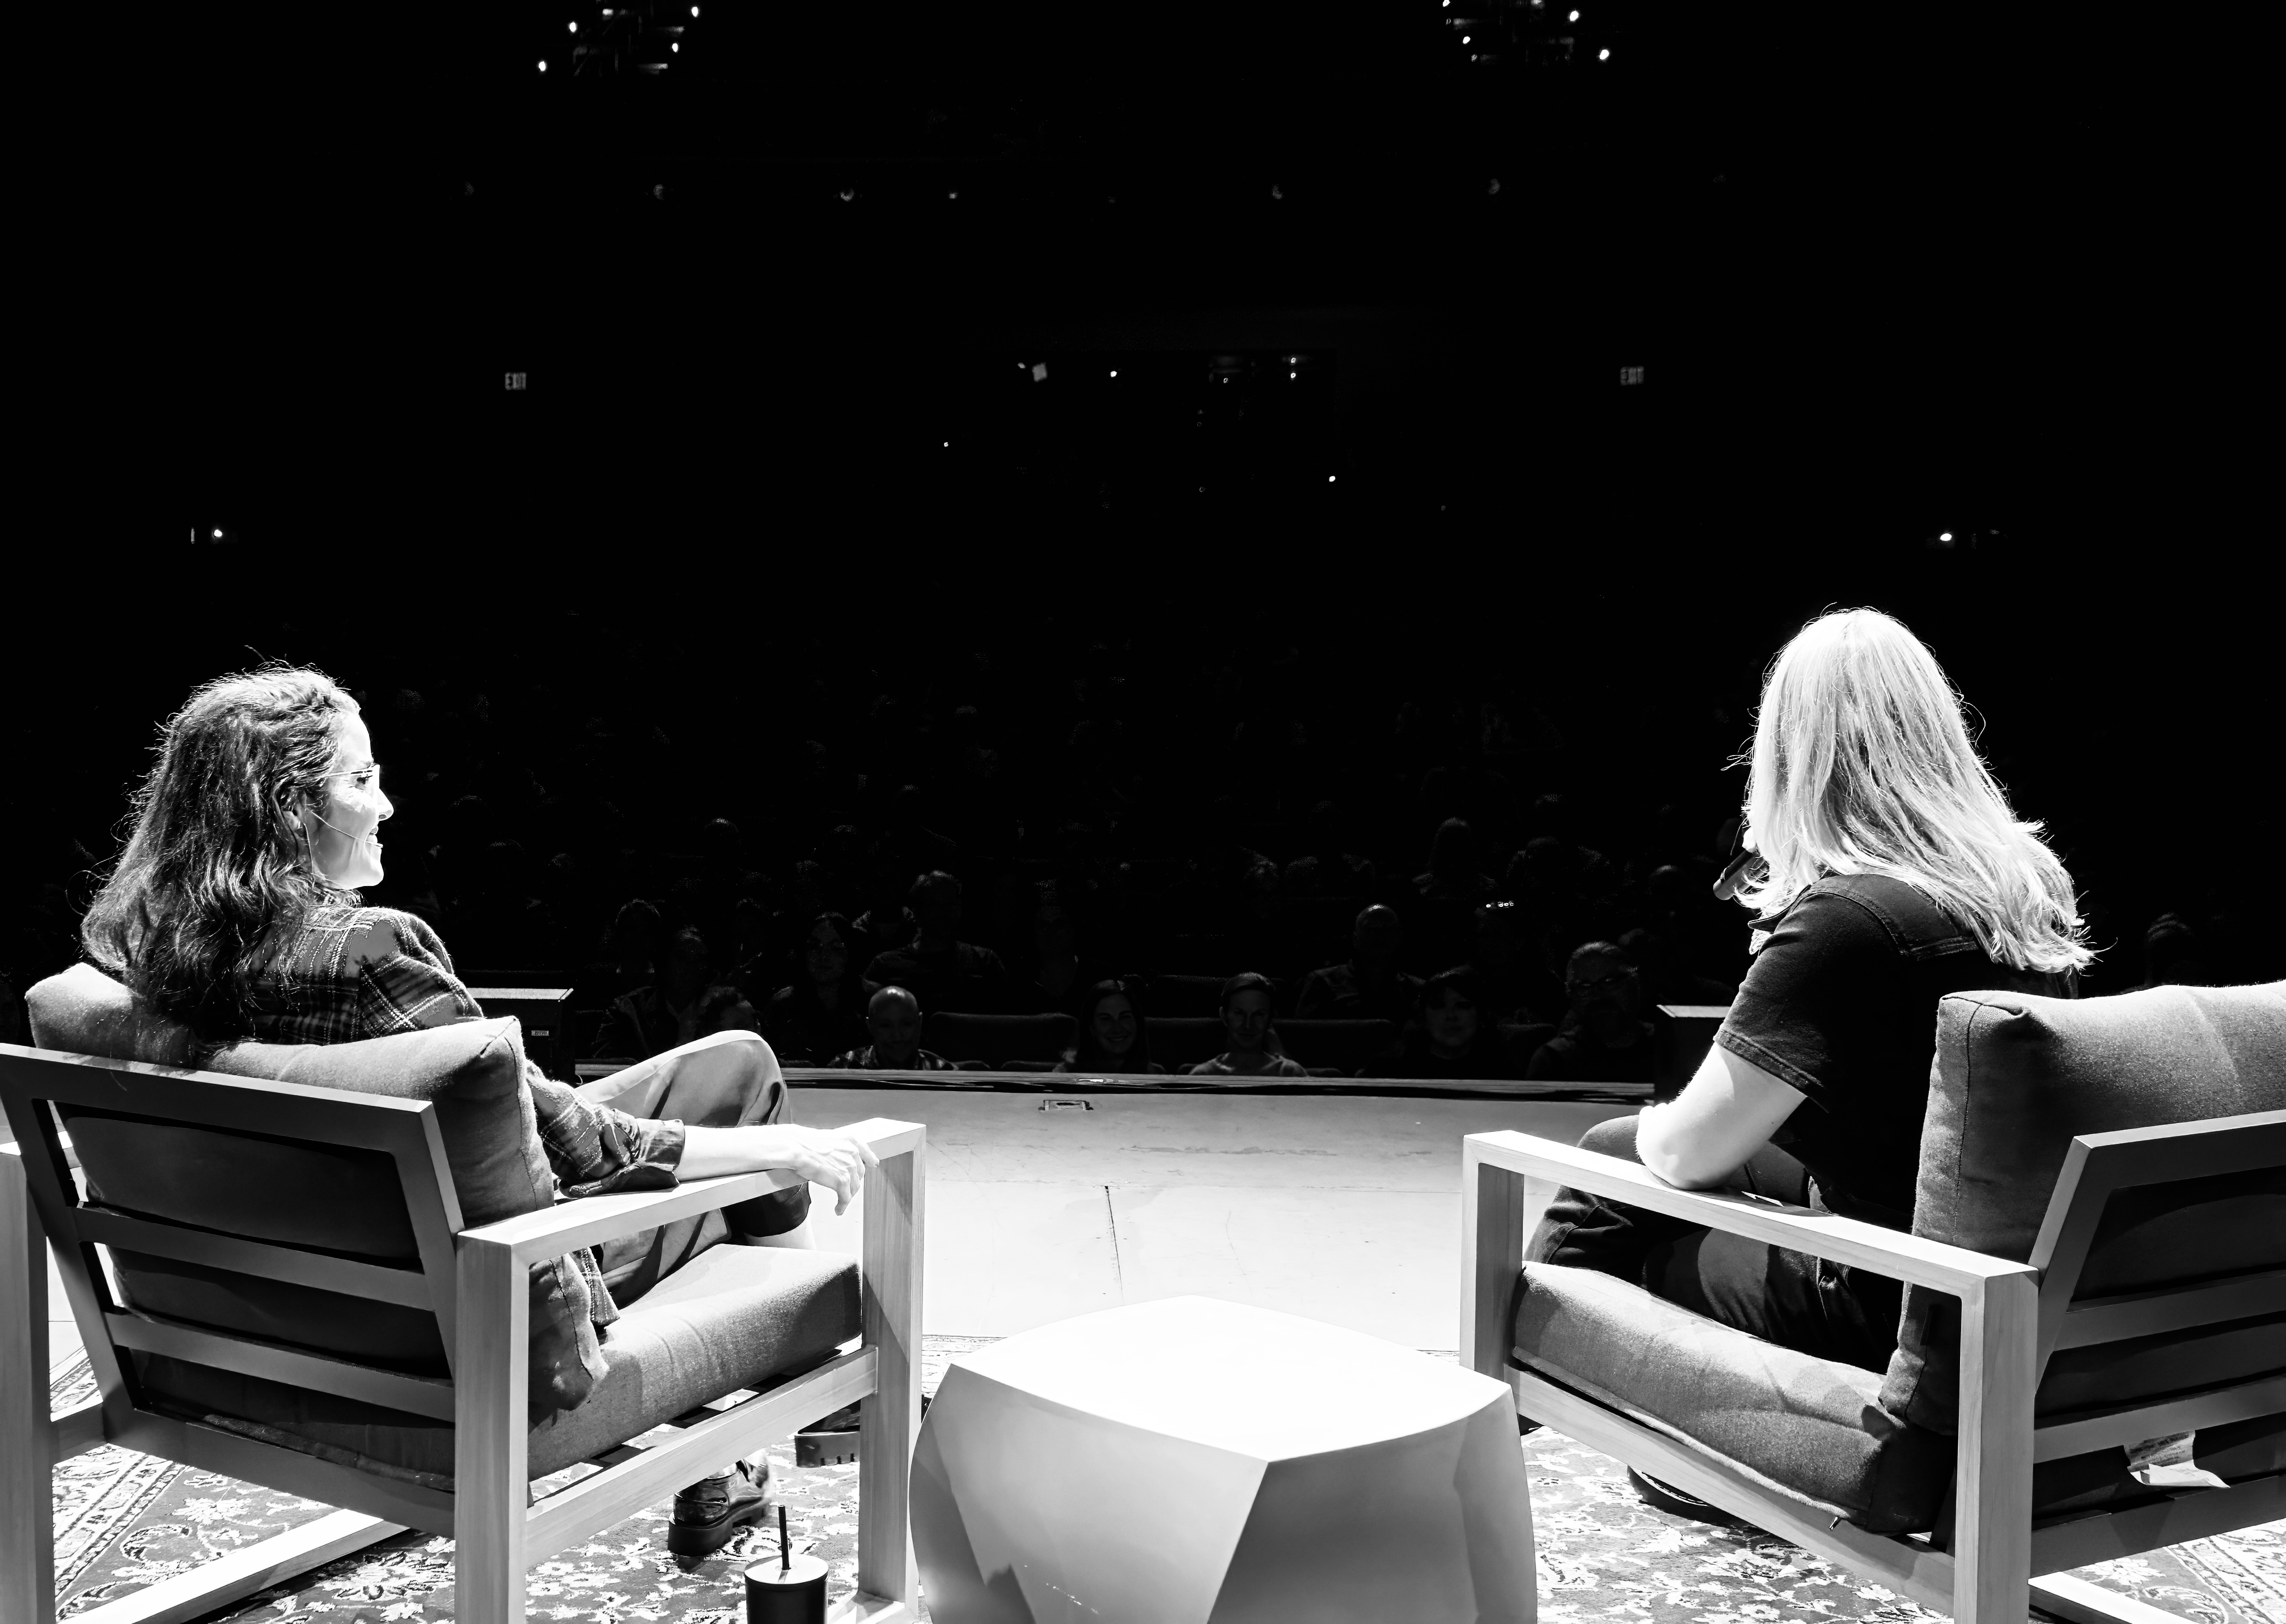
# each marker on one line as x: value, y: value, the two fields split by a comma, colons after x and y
x: 1892, y: 871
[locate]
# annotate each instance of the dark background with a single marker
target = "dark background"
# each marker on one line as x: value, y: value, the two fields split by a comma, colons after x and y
x: 781, y: 451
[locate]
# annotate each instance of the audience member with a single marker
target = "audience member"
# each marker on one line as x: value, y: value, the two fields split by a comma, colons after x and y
x: 1057, y: 976
x: 1369, y: 987
x: 820, y: 1015
x: 1329, y: 867
x: 1512, y: 986
x: 1257, y: 933
x: 1606, y: 1037
x: 1112, y: 1038
x: 1665, y: 981
x: 685, y: 1003
x: 1455, y: 1037
x: 892, y: 1022
x: 908, y: 845
x: 1446, y: 898
x: 632, y: 952
x: 1247, y: 1023
x: 2172, y: 955
x: 887, y: 924
x: 943, y: 971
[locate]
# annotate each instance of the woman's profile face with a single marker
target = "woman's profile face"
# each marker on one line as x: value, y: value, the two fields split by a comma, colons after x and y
x: 344, y: 839
x: 1115, y: 1024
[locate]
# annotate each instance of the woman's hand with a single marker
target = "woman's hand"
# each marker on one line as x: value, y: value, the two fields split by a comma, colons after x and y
x: 822, y: 1155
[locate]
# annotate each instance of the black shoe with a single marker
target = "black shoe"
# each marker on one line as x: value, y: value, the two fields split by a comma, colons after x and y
x: 1666, y: 1497
x: 830, y: 1441
x: 833, y: 1440
x: 710, y: 1512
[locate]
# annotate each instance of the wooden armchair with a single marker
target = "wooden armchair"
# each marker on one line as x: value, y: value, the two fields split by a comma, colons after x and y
x: 473, y: 1282
x: 2124, y: 1284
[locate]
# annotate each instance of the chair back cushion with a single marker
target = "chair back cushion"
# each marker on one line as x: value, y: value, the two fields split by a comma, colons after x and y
x: 2016, y: 1076
x: 300, y: 1194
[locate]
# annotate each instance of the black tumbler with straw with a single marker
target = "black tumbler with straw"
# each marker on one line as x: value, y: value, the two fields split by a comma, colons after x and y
x: 791, y: 1590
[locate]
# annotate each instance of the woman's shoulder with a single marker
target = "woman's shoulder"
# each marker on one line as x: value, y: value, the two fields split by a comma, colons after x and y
x: 1883, y: 910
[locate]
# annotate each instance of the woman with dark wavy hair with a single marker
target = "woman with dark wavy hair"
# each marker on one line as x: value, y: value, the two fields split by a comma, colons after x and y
x: 233, y: 908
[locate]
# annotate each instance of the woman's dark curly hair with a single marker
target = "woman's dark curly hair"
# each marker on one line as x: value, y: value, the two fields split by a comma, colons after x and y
x: 216, y: 876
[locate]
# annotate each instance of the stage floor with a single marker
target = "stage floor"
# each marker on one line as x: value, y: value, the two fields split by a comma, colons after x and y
x: 1342, y: 1209
x: 1339, y: 1208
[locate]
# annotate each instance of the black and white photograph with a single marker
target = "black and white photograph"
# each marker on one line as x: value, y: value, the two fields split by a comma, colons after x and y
x: 1418, y: 812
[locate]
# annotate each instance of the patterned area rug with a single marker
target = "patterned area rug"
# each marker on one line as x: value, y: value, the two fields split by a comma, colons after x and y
x: 124, y: 1520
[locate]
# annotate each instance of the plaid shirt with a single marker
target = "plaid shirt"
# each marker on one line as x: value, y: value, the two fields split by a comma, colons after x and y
x: 315, y: 993
x: 865, y: 1060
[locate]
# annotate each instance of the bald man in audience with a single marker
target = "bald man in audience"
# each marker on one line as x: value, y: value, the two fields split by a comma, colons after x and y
x: 893, y: 1020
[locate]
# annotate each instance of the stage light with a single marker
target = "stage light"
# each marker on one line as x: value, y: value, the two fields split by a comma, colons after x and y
x: 1329, y: 479
x: 678, y: 46
x: 219, y: 536
x: 1464, y: 39
x: 1114, y: 372
x: 543, y: 66
x: 1945, y: 535
x: 575, y: 28
x: 1602, y: 56
x: 1574, y: 16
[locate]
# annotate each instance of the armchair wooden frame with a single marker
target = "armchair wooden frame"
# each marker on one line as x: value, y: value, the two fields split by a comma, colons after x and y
x: 474, y: 1280
x: 1995, y: 1563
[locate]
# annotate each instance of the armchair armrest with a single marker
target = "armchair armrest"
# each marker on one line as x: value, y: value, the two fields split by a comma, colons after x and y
x: 536, y: 1236
x: 1953, y: 1270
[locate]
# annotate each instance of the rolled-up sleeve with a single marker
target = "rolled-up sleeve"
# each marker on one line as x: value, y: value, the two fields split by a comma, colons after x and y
x: 1805, y: 991
x: 595, y: 1150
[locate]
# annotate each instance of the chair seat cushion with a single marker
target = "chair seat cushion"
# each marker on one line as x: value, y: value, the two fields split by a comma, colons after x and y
x: 1806, y: 1426
x: 1812, y: 1429
x: 733, y: 1317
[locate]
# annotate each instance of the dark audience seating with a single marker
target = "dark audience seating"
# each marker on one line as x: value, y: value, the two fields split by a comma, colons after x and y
x: 1202, y: 994
x: 999, y: 1040
x: 1344, y: 1047
x: 1177, y: 1041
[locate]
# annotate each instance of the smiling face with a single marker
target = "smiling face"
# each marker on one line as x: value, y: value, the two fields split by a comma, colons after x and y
x: 344, y: 837
x: 1246, y: 1018
x: 894, y: 1022
x: 1115, y: 1024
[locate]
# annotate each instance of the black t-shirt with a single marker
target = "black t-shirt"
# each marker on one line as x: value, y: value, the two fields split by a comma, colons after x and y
x: 1841, y: 1002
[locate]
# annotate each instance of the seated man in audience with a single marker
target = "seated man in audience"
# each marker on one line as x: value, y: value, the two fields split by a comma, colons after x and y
x: 946, y: 972
x: 685, y: 1004
x: 1605, y: 1036
x: 1369, y: 987
x: 893, y: 1020
x: 1246, y: 1022
x: 1456, y: 1037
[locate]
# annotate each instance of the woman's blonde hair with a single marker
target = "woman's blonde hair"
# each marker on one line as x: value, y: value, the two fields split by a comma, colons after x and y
x: 1862, y: 764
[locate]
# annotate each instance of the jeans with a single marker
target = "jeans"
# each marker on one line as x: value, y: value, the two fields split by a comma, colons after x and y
x: 1788, y: 1297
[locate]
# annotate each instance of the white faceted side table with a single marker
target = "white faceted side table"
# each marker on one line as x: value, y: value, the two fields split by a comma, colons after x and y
x: 1198, y: 1462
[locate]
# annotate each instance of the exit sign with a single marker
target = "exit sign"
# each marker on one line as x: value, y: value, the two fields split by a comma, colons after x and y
x: 1627, y: 375
x: 516, y: 380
